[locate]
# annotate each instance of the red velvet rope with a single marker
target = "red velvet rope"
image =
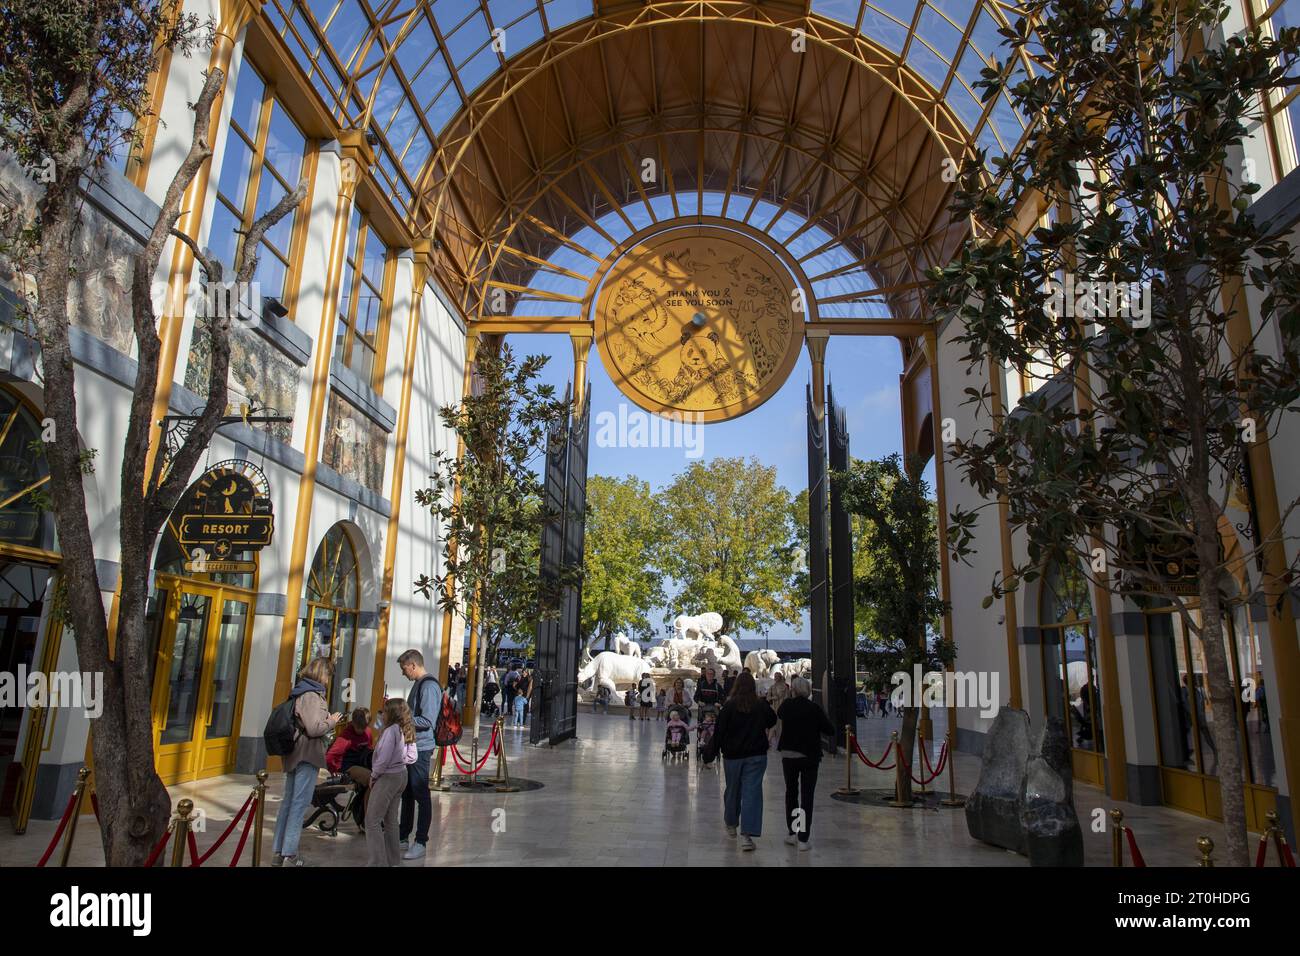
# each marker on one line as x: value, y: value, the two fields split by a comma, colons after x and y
x: 193, y: 847
x: 1262, y: 852
x: 63, y: 824
x: 157, y: 851
x: 243, y: 838
x: 1133, y: 848
x: 94, y: 803
x: 926, y: 761
x: 221, y: 839
x: 1287, y: 858
x: 867, y: 760
x: 464, y: 768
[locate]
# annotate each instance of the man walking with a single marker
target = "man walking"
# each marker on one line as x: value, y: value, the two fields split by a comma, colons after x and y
x: 425, y: 702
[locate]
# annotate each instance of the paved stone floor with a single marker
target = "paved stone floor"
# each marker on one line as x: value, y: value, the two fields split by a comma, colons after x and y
x: 609, y: 800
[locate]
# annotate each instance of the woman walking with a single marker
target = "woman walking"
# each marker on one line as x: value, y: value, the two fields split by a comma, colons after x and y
x: 303, y: 763
x: 741, y: 736
x: 388, y: 776
x: 646, y: 693
x: 800, y: 746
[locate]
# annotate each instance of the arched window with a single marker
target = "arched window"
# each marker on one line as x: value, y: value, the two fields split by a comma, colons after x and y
x: 1070, y: 687
x: 333, y: 599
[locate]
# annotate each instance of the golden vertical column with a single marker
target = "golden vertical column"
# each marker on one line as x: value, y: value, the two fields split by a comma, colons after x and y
x: 816, y: 340
x: 235, y: 15
x: 930, y: 343
x: 581, y: 340
x: 422, y: 269
x: 449, y: 619
x: 356, y: 157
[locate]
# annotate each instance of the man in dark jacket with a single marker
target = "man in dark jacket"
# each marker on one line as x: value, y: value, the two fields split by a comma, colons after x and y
x: 425, y: 702
x: 800, y: 746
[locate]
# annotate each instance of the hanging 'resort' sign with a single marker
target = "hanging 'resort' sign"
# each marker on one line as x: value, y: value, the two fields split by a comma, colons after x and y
x: 228, y: 511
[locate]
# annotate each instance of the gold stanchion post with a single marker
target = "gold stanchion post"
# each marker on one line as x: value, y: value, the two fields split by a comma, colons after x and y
x: 1117, y: 837
x: 898, y: 800
x: 848, y: 790
x: 260, y: 817
x: 953, y: 800
x: 1206, y: 846
x: 437, y: 783
x: 1279, y: 838
x: 503, y: 769
x: 180, y: 838
x: 79, y: 796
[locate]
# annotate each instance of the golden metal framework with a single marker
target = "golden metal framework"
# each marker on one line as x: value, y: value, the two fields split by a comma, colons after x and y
x: 751, y: 101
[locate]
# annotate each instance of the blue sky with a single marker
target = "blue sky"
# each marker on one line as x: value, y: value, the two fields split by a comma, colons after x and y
x: 863, y: 370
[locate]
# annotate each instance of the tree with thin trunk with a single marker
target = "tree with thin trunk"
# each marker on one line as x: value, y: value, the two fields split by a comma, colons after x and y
x: 74, y: 89
x: 621, y: 584
x: 490, y: 506
x: 901, y: 583
x: 1131, y: 301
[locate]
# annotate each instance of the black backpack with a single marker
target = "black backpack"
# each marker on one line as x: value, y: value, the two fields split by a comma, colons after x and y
x: 281, y: 731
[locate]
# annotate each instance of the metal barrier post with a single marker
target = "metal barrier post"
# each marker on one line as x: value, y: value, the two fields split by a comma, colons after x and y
x: 79, y: 796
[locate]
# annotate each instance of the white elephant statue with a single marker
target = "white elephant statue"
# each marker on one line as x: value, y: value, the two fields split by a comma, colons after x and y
x: 610, y: 669
x: 625, y: 645
x: 760, y: 663
x: 697, y: 626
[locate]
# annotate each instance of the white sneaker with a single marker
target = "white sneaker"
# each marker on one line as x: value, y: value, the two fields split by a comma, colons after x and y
x: 731, y: 832
x: 805, y: 846
x: 791, y: 839
x: 416, y: 852
x: 746, y: 841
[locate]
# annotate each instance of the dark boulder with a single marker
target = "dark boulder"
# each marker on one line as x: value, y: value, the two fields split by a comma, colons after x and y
x: 1047, y: 816
x: 993, y: 809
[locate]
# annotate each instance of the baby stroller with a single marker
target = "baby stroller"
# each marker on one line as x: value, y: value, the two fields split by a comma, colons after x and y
x: 677, y: 740
x: 490, y: 691
x: 704, y: 731
x: 334, y: 799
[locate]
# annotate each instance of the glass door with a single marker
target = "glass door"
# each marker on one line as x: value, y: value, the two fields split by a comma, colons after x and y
x: 203, y: 644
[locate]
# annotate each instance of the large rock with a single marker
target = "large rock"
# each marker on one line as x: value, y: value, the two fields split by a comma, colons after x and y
x: 1047, y: 816
x: 993, y: 809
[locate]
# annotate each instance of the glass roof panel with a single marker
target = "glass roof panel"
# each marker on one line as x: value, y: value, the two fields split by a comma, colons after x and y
x: 883, y: 30
x: 560, y: 13
x: 506, y: 12
x: 470, y: 37
x: 845, y: 11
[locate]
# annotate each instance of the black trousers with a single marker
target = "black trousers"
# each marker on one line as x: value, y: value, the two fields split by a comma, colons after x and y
x: 800, y: 785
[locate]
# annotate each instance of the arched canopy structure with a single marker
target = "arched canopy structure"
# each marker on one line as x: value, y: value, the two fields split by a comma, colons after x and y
x: 508, y: 127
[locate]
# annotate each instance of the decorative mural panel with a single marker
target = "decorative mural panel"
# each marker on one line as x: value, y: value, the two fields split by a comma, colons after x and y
x: 99, y: 295
x: 354, y: 444
x: 261, y: 376
x: 699, y: 321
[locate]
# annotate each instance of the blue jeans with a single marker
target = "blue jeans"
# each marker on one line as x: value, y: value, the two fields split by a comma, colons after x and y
x: 417, y: 805
x: 742, y: 802
x: 520, y: 701
x: 298, y: 786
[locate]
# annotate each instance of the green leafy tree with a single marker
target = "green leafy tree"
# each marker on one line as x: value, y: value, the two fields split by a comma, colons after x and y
x: 489, y: 501
x: 622, y: 584
x: 74, y: 91
x: 901, y: 583
x: 727, y: 533
x: 1139, y: 113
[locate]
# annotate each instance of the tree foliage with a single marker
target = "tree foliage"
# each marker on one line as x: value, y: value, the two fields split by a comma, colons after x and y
x: 622, y: 584
x: 489, y: 499
x: 1139, y: 114
x: 727, y: 534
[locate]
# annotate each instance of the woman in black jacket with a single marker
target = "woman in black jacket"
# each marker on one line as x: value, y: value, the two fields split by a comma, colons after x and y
x: 741, y: 735
x: 800, y: 746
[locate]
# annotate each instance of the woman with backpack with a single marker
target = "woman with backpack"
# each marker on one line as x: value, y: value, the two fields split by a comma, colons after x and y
x: 304, y: 761
x: 741, y: 736
x: 388, y: 778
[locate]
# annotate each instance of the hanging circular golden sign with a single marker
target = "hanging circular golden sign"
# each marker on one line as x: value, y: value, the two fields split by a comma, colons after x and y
x: 699, y: 321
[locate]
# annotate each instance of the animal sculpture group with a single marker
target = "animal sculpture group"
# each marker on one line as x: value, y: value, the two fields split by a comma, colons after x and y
x: 695, y: 643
